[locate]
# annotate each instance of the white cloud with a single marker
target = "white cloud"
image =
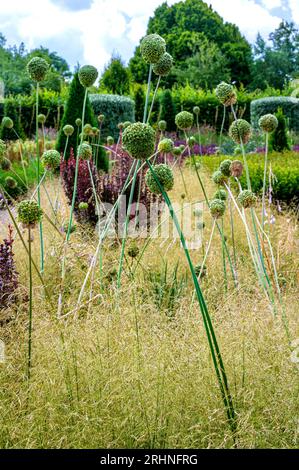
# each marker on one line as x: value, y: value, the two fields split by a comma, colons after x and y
x: 269, y: 4
x: 112, y: 24
x: 294, y: 6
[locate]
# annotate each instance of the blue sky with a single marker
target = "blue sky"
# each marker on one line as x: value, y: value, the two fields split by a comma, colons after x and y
x: 88, y: 31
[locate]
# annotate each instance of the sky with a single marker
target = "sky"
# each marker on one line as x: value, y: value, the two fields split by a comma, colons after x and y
x: 89, y: 31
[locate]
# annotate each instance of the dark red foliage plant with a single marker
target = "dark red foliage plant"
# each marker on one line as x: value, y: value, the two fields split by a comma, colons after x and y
x: 8, y: 273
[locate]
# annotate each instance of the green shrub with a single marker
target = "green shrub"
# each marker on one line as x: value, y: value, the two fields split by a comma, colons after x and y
x: 289, y: 106
x: 116, y: 109
x: 139, y: 98
x: 73, y: 110
x: 168, y: 110
x: 21, y: 188
x: 279, y: 140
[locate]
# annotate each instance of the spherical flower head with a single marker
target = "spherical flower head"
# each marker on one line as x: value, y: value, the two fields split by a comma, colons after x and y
x: 120, y: 125
x: 126, y: 124
x: 85, y: 151
x: 219, y: 178
x: 78, y: 122
x: 37, y: 68
x: 51, y: 159
x: 139, y: 140
x: 236, y: 168
x: 5, y: 164
x: 191, y: 141
x: 221, y: 194
x: 182, y: 147
x: 101, y: 118
x: 164, y: 175
x: 196, y: 110
x: 10, y: 182
x: 164, y: 65
x: 200, y: 270
x: 87, y: 129
x: 7, y: 122
x: 95, y: 131
x: 162, y: 125
x: 165, y: 146
x: 41, y: 118
x: 2, y: 148
x: 152, y: 47
x: 68, y: 130
x: 110, y: 140
x: 268, y: 123
x: 133, y: 250
x: 83, y: 206
x: 225, y: 167
x: 247, y: 199
x: 217, y: 208
x: 240, y: 131
x: 238, y: 150
x: 226, y: 94
x: 87, y: 75
x: 177, y: 151
x: 184, y: 120
x: 29, y: 213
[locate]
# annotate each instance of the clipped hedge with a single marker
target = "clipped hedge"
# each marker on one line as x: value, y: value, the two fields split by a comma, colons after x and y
x: 289, y: 105
x: 116, y: 109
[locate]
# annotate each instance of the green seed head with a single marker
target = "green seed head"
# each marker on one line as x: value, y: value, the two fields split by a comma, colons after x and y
x: 225, y: 167
x: 101, y: 118
x: 162, y: 126
x: 200, y: 270
x: 268, y: 123
x: 87, y: 75
x: 68, y: 130
x: 247, y: 198
x: 191, y: 141
x: 29, y: 213
x: 164, y: 65
x: 41, y: 118
x: 177, y: 151
x: 139, y: 140
x: 220, y: 194
x: 196, y: 110
x: 5, y: 164
x: 51, y: 159
x: 78, y: 122
x: 120, y: 125
x: 165, y: 146
x: 217, y: 208
x: 184, y: 120
x: 133, y: 250
x: 240, y: 131
x: 152, y: 47
x: 87, y: 129
x: 238, y: 150
x: 219, y: 178
x: 83, y: 206
x: 7, y: 122
x: 236, y: 168
x: 85, y: 151
x: 10, y: 182
x: 37, y: 68
x: 164, y: 175
x: 226, y: 94
x: 126, y: 124
x: 110, y: 140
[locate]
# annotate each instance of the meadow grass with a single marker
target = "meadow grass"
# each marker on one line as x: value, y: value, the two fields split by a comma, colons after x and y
x: 126, y: 374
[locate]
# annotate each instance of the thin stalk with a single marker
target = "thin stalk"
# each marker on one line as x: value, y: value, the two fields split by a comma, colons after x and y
x: 38, y: 183
x: 208, y: 249
x: 264, y: 182
x: 30, y: 305
x: 222, y: 126
x: 223, y: 256
x: 147, y: 93
x: 153, y: 100
x: 65, y: 147
x: 232, y: 230
x: 199, y: 135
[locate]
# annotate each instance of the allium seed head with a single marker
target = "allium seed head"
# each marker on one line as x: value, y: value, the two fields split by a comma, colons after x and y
x: 29, y: 213
x: 236, y: 168
x: 87, y: 75
x: 68, y: 130
x: 191, y: 141
x: 165, y: 146
x: 87, y: 129
x: 120, y: 125
x: 225, y: 167
x: 162, y: 125
x: 5, y: 164
x: 83, y: 206
x: 10, y: 182
x: 247, y: 198
x: 139, y: 140
x: 177, y: 151
x: 152, y: 47
x: 41, y: 118
x: 268, y: 123
x: 7, y: 122
x: 240, y: 131
x: 133, y: 251
x: 226, y: 94
x: 217, y: 208
x: 199, y: 270
x: 221, y: 194
x: 184, y: 120
x: 110, y: 140
x: 101, y: 118
x: 126, y: 124
x: 219, y: 178
x: 37, y: 68
x: 164, y: 65
x: 164, y: 175
x: 85, y: 151
x: 196, y: 110
x: 51, y: 159
x: 78, y: 122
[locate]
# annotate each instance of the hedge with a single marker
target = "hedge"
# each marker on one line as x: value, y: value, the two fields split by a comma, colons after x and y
x: 289, y: 105
x: 116, y: 109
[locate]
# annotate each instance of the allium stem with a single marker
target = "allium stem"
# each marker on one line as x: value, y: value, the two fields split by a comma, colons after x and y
x: 223, y: 255
x: 208, y: 249
x: 264, y: 182
x: 199, y: 136
x: 153, y: 100
x: 38, y: 183
x: 222, y: 126
x: 30, y: 305
x: 65, y: 147
x: 147, y: 93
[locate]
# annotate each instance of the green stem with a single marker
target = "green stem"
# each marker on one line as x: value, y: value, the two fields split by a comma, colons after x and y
x: 222, y: 126
x: 30, y: 305
x: 38, y: 183
x: 223, y: 256
x: 65, y: 147
x: 153, y: 100
x: 199, y: 135
x: 264, y: 182
x: 147, y: 93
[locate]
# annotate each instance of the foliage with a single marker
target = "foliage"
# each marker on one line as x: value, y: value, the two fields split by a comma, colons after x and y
x: 116, y: 109
x: 139, y: 98
x: 279, y: 140
x: 11, y: 134
x: 289, y: 106
x: 73, y: 110
x: 18, y: 175
x: 116, y: 78
x: 184, y: 26
x: 8, y: 273
x: 168, y: 110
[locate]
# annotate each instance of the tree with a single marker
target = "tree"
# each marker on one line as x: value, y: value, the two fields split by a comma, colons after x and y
x: 116, y: 77
x: 184, y: 25
x: 168, y: 110
x: 73, y: 110
x: 139, y: 98
x: 206, y: 68
x: 279, y: 140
